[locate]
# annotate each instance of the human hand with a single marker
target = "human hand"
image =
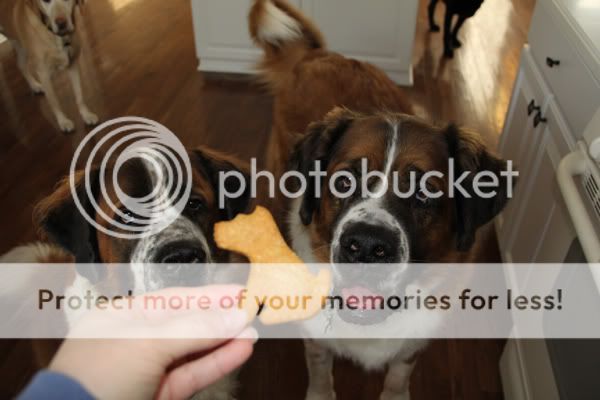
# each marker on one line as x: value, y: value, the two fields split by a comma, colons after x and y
x: 159, y: 353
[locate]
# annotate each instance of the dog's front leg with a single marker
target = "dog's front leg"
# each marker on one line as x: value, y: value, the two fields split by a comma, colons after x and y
x: 65, y: 124
x: 88, y: 117
x: 23, y: 64
x: 397, y: 380
x: 459, y: 23
x: 319, y: 362
x: 448, y: 49
x: 433, y: 27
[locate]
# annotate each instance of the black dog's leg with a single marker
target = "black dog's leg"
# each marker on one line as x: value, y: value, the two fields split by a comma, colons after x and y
x: 433, y: 27
x: 455, y: 42
x: 448, y: 49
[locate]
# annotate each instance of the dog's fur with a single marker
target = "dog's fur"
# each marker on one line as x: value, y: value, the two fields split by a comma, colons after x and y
x: 307, y: 82
x: 45, y: 37
x: 61, y: 223
x: 463, y: 9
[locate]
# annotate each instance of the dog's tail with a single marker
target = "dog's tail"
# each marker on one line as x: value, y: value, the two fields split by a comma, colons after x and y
x: 285, y: 35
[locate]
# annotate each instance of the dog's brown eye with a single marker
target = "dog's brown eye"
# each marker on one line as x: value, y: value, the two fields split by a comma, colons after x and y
x: 127, y: 218
x: 194, y: 204
x: 343, y: 184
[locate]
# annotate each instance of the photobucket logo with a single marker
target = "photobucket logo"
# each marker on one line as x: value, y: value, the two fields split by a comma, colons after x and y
x: 369, y: 183
x: 113, y: 144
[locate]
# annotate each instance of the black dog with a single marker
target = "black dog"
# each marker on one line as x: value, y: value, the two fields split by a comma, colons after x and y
x: 464, y: 9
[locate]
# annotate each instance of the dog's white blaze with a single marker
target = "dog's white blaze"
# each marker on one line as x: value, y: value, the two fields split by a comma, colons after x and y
x: 276, y: 26
x: 181, y: 229
x: 392, y: 150
x: 59, y: 9
x: 371, y: 210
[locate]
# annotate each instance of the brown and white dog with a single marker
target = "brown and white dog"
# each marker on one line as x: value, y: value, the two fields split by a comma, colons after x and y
x: 45, y: 38
x: 372, y: 123
x: 187, y: 240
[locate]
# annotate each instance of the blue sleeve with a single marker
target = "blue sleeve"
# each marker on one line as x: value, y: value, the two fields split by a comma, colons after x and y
x: 49, y: 385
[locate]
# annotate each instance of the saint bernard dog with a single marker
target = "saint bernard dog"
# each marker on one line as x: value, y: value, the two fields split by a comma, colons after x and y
x: 349, y: 111
x: 188, y: 240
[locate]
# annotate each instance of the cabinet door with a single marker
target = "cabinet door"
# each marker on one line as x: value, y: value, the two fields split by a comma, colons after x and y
x: 519, y: 130
x: 380, y: 32
x: 518, y: 143
x: 542, y: 232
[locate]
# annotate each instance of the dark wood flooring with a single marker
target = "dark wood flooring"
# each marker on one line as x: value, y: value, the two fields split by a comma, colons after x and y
x: 142, y: 62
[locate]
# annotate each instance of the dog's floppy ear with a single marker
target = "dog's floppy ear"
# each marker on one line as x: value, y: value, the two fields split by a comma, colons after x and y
x: 315, y: 146
x: 59, y: 219
x: 470, y: 154
x: 214, y: 165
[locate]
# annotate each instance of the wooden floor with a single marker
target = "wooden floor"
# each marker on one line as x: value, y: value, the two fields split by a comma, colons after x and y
x: 142, y: 62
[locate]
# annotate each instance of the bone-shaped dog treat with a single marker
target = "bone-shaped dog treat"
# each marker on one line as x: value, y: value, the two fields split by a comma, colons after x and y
x: 293, y: 286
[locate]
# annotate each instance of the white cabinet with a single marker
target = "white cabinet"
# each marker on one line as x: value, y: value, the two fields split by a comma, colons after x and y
x: 380, y: 32
x: 536, y: 138
x: 556, y: 94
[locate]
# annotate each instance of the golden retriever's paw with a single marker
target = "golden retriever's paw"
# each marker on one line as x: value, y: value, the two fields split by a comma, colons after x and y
x: 36, y: 88
x: 89, y: 117
x: 65, y: 124
x: 320, y: 396
x: 389, y: 395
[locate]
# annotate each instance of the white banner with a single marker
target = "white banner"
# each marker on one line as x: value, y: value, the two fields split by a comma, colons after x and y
x: 363, y: 301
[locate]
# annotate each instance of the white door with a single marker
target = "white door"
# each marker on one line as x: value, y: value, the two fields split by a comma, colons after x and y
x: 223, y: 42
x: 381, y: 32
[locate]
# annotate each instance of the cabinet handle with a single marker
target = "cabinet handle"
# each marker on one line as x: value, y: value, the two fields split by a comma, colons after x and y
x: 531, y: 107
x: 538, y: 119
x: 550, y: 62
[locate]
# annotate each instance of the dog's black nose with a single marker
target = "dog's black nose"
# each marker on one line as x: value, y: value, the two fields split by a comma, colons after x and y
x: 180, y: 259
x: 183, y: 255
x: 61, y: 24
x: 366, y: 243
x: 181, y: 252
